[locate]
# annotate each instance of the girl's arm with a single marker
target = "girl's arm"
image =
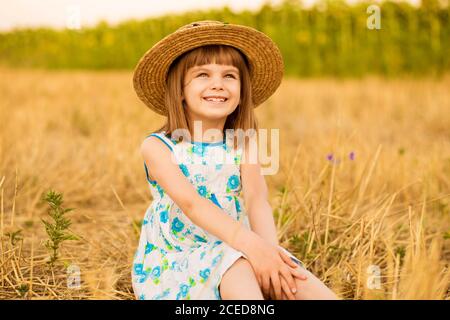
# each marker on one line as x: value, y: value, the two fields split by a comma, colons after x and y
x: 255, y: 192
x: 266, y: 259
x: 259, y: 211
x: 198, y: 209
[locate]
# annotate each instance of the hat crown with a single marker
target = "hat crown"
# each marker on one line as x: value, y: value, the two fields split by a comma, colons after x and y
x: 201, y: 24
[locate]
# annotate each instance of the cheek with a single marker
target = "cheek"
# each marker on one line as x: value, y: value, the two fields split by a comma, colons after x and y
x: 192, y: 94
x: 236, y: 90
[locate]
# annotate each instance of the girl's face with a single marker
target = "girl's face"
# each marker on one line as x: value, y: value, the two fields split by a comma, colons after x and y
x: 204, y: 83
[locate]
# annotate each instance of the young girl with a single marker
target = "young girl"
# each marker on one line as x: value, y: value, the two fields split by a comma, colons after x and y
x: 209, y: 232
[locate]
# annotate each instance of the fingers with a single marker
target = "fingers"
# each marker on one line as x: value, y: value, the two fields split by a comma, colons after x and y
x: 265, y: 284
x: 266, y: 296
x: 259, y: 278
x: 266, y: 293
x: 296, y: 273
x: 287, y: 259
x: 289, y: 279
x: 284, y: 296
x: 287, y: 291
x: 272, y: 293
x: 275, y: 278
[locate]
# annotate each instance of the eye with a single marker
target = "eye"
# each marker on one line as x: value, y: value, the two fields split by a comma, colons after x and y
x: 229, y: 74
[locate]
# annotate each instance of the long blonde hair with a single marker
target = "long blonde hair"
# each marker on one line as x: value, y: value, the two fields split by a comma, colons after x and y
x: 241, y: 118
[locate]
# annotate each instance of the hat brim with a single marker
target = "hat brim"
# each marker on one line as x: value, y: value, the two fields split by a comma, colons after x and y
x: 266, y: 66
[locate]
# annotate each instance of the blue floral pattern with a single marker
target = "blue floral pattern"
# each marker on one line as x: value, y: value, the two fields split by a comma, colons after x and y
x: 233, y: 182
x: 175, y: 259
x: 184, y: 169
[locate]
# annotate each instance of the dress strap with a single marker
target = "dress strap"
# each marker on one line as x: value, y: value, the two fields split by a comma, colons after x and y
x: 162, y: 136
x: 168, y: 142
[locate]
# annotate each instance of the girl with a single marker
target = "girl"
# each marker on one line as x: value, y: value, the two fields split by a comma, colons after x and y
x: 198, y: 240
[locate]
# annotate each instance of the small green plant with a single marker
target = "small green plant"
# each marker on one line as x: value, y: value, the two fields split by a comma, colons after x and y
x: 23, y: 290
x: 57, y: 230
x: 14, y: 236
x: 447, y: 235
x: 29, y: 223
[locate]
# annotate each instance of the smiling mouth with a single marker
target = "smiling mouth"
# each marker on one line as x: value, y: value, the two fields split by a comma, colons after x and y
x: 215, y: 100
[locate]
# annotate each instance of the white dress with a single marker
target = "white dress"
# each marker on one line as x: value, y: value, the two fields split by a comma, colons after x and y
x: 175, y: 259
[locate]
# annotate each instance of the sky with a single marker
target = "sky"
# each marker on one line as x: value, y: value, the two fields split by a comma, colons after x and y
x: 77, y: 14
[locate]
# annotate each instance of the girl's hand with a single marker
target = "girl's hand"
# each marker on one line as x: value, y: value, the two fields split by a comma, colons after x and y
x: 271, y: 294
x: 271, y: 266
x: 286, y: 295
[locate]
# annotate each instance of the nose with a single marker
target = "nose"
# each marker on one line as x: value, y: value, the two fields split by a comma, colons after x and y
x: 216, y: 83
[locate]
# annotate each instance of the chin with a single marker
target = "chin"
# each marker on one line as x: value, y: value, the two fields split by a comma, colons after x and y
x: 216, y: 115
x: 223, y: 111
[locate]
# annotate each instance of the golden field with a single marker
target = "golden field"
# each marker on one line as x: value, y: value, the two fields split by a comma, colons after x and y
x: 373, y: 222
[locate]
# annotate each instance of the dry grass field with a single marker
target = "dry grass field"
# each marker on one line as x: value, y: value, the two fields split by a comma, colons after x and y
x: 362, y: 194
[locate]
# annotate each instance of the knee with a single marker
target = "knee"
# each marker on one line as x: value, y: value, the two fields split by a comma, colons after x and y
x: 243, y: 263
x: 312, y: 288
x: 239, y: 282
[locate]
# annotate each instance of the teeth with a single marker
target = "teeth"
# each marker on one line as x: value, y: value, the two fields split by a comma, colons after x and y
x: 215, y: 99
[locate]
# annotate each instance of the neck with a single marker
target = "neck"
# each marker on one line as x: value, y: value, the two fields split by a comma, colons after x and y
x: 209, y: 131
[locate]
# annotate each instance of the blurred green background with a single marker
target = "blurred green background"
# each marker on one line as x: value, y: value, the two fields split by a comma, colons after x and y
x: 330, y: 38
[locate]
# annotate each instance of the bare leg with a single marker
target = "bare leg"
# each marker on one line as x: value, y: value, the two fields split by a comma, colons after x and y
x: 239, y: 282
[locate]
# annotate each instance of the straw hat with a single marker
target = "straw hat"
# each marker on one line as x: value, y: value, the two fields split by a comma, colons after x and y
x: 264, y: 57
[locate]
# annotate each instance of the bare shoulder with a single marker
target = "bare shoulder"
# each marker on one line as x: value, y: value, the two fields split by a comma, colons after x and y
x: 165, y: 170
x: 153, y: 145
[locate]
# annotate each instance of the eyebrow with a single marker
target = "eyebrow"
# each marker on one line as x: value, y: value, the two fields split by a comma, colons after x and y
x: 195, y: 69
